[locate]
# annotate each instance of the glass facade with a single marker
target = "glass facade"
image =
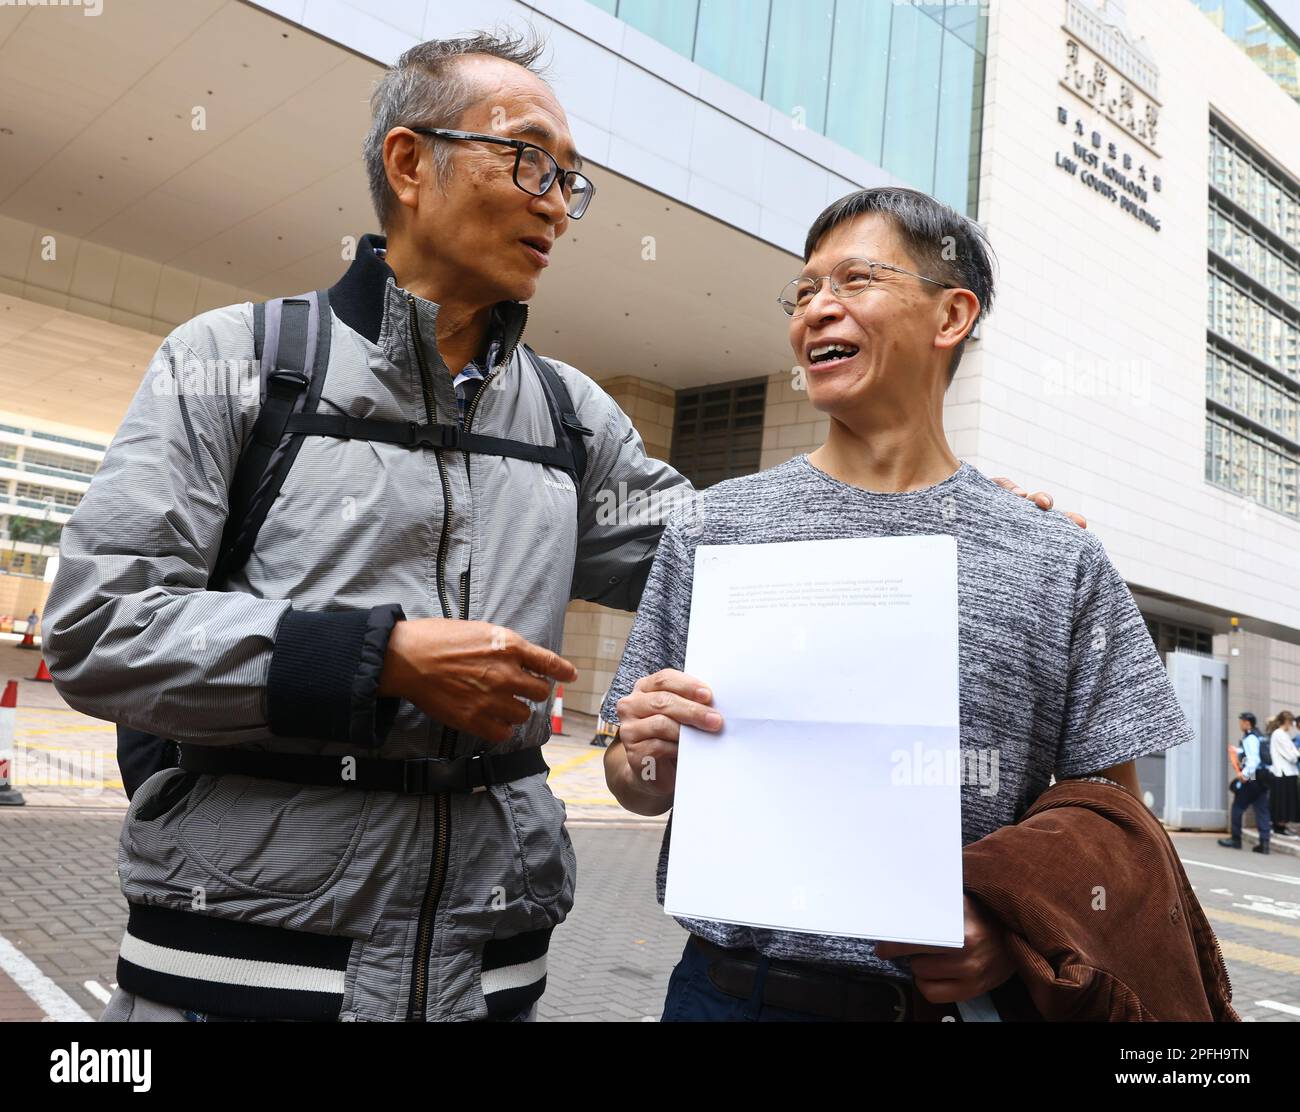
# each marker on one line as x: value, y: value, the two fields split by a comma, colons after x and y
x: 900, y: 83
x: 1252, y: 371
x: 1232, y: 240
x: 1267, y: 41
x: 731, y: 41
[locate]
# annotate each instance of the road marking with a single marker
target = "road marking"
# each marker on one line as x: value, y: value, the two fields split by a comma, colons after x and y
x: 36, y: 746
x: 98, y: 991
x: 50, y: 710
x: 43, y: 992
x: 1270, y: 908
x: 1221, y: 891
x: 1240, y: 920
x: 40, y: 731
x: 1281, y: 878
x: 574, y: 762
x: 1290, y: 1009
x: 80, y: 785
x: 1265, y: 959
x: 631, y: 823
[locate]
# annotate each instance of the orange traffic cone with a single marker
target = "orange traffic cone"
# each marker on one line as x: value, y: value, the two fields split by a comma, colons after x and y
x: 557, y: 711
x: 29, y: 638
x: 43, y: 673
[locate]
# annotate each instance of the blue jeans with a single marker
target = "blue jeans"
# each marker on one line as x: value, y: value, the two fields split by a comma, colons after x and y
x: 692, y: 997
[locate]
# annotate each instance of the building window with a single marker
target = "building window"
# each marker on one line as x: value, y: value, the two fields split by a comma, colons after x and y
x: 39, y: 435
x: 1252, y: 369
x: 732, y: 42
x: 59, y: 462
x: 901, y: 84
x: 797, y: 73
x: 46, y: 494
x: 1169, y: 638
x: 672, y: 22
x: 718, y: 431
x: 22, y: 563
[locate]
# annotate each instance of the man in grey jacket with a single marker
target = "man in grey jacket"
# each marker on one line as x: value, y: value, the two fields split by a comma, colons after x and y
x: 334, y: 843
x: 402, y: 603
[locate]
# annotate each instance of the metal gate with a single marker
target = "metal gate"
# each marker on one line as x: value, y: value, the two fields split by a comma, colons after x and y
x: 1196, y: 775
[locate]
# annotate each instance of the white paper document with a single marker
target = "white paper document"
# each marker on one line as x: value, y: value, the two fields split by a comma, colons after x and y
x: 831, y: 801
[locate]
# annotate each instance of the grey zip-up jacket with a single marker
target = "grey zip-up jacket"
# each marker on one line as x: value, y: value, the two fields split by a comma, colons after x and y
x: 257, y: 897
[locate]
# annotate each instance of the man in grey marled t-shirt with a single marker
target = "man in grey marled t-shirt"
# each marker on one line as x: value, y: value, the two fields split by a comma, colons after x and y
x: 1058, y: 674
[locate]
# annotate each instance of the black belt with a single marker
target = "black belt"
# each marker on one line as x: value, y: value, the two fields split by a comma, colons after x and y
x: 415, y: 776
x: 799, y: 987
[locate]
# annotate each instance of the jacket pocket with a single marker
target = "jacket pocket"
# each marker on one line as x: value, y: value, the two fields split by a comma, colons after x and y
x: 270, y: 838
x: 545, y: 851
x: 164, y: 793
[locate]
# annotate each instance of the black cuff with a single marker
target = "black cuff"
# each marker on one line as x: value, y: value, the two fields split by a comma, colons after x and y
x: 324, y: 678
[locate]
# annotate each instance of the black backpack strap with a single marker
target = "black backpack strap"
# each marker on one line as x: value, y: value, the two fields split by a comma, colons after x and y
x: 291, y: 337
x: 563, y: 414
x: 408, y: 434
x: 569, y: 453
x: 291, y: 341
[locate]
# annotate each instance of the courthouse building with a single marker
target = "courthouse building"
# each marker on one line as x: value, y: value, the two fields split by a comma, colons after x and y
x: 1136, y: 165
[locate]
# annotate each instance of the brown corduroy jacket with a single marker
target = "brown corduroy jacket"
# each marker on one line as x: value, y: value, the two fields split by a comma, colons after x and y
x: 1100, y: 917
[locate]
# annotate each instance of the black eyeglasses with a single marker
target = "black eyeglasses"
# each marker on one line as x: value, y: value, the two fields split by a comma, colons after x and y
x: 535, y: 168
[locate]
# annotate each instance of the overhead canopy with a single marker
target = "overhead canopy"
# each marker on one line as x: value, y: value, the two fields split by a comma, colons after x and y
x: 98, y: 148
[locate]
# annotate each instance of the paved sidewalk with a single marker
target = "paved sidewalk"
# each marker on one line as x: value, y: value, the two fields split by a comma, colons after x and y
x: 60, y: 908
x: 578, y: 776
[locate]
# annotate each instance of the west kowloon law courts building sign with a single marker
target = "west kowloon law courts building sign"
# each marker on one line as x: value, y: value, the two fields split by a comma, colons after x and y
x: 1113, y: 143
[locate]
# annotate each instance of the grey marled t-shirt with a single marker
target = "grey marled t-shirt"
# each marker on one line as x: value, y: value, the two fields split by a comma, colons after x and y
x: 1058, y: 673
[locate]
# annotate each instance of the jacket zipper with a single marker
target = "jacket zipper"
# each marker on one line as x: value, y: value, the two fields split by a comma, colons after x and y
x: 503, y: 362
x: 446, y: 745
x: 442, y: 808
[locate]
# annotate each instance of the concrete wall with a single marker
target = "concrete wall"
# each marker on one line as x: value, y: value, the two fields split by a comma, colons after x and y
x: 19, y: 594
x: 1264, y: 676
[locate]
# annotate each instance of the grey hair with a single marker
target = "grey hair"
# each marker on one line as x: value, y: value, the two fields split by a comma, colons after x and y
x: 944, y: 244
x: 425, y: 89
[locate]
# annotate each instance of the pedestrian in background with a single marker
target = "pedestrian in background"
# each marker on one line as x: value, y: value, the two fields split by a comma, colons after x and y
x: 1284, y: 796
x: 1251, y: 758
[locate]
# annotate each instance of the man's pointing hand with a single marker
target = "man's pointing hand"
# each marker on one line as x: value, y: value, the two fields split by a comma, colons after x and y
x: 470, y: 676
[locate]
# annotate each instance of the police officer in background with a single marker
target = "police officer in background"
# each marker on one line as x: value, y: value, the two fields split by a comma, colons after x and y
x: 1251, y: 761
